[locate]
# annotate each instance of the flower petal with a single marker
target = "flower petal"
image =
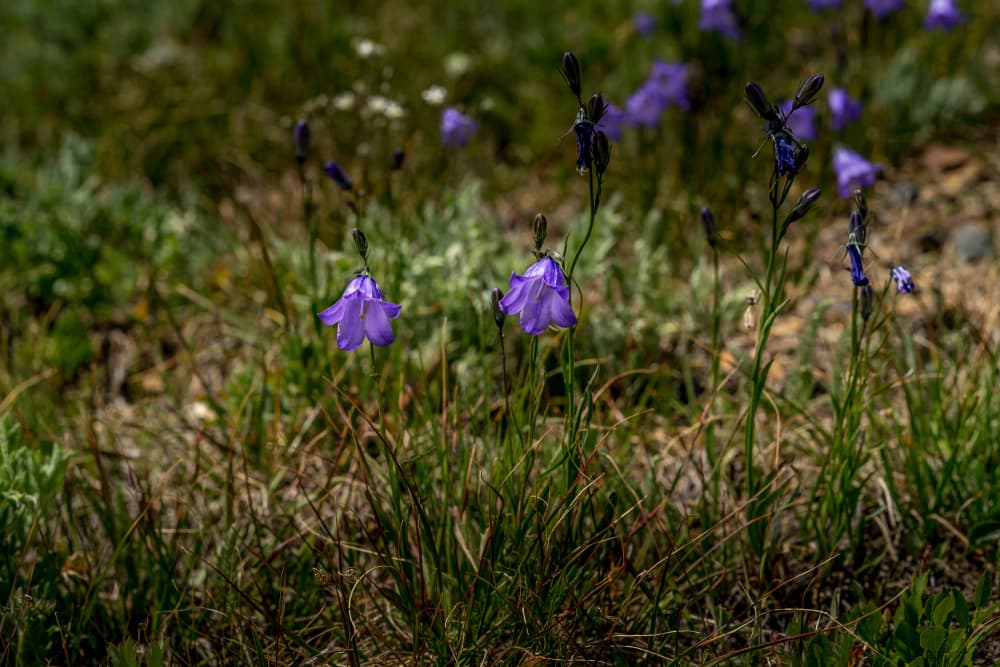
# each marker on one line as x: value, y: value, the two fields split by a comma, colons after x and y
x: 520, y: 289
x: 376, y: 323
x: 560, y: 310
x: 333, y: 314
x: 351, y: 331
x: 391, y: 309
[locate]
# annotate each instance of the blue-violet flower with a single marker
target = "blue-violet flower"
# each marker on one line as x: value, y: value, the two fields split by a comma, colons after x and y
x: 904, y: 281
x: 644, y: 24
x: 853, y: 171
x: 820, y: 5
x: 802, y: 123
x: 882, y: 8
x: 361, y: 312
x: 843, y: 108
x: 858, y: 276
x: 541, y: 295
x: 613, y: 121
x: 718, y: 16
x: 456, y: 128
x: 943, y: 15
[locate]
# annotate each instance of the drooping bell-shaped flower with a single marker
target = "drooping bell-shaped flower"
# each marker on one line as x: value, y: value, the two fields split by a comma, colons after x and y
x: 541, y: 296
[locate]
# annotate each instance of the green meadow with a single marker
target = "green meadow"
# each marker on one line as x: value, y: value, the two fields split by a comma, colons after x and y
x: 705, y: 376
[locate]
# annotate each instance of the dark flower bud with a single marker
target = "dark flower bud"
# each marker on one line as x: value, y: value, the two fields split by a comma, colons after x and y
x: 805, y: 204
x: 708, y: 224
x: 397, y: 159
x: 596, y: 107
x: 301, y: 137
x: 498, y: 315
x: 861, y: 204
x: 602, y: 153
x: 801, y: 155
x: 539, y: 228
x: 757, y: 100
x: 808, y: 91
x: 337, y: 175
x: 571, y: 72
x: 856, y: 230
x: 584, y: 143
x: 361, y: 243
x: 867, y: 295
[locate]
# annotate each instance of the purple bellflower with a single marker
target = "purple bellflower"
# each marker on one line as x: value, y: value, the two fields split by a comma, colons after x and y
x: 820, y: 5
x: 858, y: 276
x: 644, y: 24
x: 612, y: 122
x: 882, y: 8
x: 943, y: 15
x: 802, y: 123
x: 853, y: 171
x: 338, y: 175
x: 541, y: 295
x: 665, y: 86
x: 718, y: 16
x: 904, y: 281
x: 456, y: 128
x: 301, y: 139
x: 844, y: 109
x: 361, y: 312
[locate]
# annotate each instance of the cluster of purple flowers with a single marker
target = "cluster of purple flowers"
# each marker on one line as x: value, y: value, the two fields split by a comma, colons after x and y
x: 666, y: 86
x: 941, y: 14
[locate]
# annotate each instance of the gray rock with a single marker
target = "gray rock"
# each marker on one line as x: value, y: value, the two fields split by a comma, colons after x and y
x: 972, y: 243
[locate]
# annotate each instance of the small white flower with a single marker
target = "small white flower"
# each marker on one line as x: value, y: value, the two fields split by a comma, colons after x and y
x: 434, y: 95
x: 366, y: 48
x: 344, y: 101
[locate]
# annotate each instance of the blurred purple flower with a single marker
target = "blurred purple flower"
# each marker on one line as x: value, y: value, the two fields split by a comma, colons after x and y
x: 904, y: 281
x: 644, y: 24
x: 718, y: 16
x: 612, y: 122
x: 671, y: 80
x: 882, y: 8
x: 361, y: 312
x: 666, y: 85
x: 802, y: 123
x: 338, y: 175
x: 943, y: 15
x: 820, y: 5
x: 541, y: 296
x: 853, y: 171
x: 858, y: 276
x: 301, y: 139
x: 843, y: 108
x: 456, y: 128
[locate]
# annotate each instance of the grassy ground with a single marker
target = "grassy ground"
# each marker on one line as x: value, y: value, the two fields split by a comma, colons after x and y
x: 725, y: 462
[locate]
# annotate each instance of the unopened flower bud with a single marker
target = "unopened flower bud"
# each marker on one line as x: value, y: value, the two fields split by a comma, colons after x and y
x: 498, y: 315
x: 861, y: 204
x: 596, y: 107
x: 540, y: 227
x: 398, y: 155
x: 708, y: 224
x: 571, y: 72
x: 801, y: 155
x: 758, y: 101
x: 361, y: 243
x: 601, y: 152
x: 338, y: 175
x: 808, y: 91
x: 805, y: 204
x: 867, y: 295
x: 856, y: 230
x: 301, y: 137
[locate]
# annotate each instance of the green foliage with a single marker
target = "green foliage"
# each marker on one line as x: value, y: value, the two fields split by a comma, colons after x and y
x: 943, y: 630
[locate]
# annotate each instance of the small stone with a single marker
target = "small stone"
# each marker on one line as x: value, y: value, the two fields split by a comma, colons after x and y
x: 972, y: 244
